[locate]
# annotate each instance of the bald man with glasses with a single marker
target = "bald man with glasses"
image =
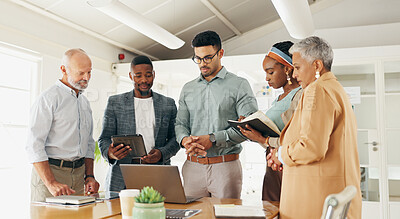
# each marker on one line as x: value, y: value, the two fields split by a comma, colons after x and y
x: 206, y: 104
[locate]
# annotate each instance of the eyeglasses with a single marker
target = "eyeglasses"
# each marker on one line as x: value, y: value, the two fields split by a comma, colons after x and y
x: 206, y: 59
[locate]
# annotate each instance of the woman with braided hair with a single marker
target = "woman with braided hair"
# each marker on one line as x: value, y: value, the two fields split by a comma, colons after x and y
x: 279, y: 69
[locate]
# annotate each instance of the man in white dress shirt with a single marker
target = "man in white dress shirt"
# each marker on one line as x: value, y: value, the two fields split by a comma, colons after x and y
x: 60, y: 143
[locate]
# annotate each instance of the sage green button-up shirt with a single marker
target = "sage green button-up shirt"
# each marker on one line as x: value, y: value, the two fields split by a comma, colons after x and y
x: 205, y: 107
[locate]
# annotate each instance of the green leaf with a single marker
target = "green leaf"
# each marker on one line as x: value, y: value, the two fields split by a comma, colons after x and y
x: 149, y: 195
x: 97, y: 154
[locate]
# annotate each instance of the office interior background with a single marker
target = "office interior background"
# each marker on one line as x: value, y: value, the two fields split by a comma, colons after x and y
x: 365, y: 35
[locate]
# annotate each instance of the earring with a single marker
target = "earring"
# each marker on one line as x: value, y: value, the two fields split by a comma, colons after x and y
x: 288, y: 78
x: 317, y: 75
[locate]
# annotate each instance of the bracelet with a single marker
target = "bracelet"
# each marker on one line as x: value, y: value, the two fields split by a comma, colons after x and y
x: 266, y: 142
x: 87, y: 176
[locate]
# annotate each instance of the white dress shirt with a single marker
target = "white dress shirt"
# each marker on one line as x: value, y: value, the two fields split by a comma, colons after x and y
x: 145, y: 121
x: 60, y: 126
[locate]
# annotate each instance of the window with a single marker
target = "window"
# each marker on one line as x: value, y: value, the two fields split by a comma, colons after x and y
x: 18, y: 73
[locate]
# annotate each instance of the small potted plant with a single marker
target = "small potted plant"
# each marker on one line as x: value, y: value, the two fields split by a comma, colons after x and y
x: 149, y: 204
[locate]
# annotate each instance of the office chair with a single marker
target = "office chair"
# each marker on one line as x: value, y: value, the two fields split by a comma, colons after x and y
x: 337, y: 205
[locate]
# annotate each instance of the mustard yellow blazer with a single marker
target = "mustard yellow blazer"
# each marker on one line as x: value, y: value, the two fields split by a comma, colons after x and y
x: 319, y: 149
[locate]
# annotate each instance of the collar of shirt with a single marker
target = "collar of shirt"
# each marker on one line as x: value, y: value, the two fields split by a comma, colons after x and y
x: 221, y: 74
x: 64, y: 87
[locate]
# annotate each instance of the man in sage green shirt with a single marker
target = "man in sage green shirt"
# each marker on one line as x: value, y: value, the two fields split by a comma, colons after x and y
x: 205, y: 105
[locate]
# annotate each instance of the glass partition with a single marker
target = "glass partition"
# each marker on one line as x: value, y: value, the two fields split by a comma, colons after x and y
x: 359, y: 82
x: 392, y: 127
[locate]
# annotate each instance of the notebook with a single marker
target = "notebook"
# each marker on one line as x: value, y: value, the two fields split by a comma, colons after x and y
x: 70, y: 199
x: 238, y: 211
x: 163, y: 178
x: 258, y: 121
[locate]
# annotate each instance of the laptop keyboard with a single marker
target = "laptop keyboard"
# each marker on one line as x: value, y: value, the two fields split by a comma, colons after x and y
x: 191, y: 199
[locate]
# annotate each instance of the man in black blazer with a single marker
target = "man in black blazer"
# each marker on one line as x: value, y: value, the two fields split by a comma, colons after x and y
x: 140, y: 111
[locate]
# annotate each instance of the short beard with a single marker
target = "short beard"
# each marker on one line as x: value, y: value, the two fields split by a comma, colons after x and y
x: 207, y: 74
x: 76, y: 85
x: 144, y: 93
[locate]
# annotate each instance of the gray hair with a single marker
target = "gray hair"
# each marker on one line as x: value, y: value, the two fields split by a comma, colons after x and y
x: 314, y: 48
x: 68, y: 54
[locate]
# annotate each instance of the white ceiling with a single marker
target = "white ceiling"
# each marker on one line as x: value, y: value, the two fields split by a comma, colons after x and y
x: 256, y: 25
x: 183, y: 18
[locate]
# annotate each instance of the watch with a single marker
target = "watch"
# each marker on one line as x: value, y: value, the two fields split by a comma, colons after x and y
x: 87, y: 176
x: 212, y: 139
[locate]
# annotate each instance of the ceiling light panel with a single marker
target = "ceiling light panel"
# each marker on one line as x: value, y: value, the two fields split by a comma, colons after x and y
x: 137, y: 21
x: 80, y: 13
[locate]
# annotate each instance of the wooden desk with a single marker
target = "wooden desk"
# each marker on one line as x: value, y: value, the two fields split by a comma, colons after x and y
x: 98, y: 210
x: 207, y: 206
x: 112, y: 209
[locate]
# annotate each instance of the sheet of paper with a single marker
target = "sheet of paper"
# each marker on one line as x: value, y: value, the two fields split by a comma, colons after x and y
x: 354, y: 94
x: 238, y: 211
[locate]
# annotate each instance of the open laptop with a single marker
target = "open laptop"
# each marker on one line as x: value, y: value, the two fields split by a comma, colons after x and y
x: 163, y: 178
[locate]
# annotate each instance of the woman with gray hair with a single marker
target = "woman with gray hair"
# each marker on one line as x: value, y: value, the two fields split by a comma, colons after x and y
x: 319, y: 145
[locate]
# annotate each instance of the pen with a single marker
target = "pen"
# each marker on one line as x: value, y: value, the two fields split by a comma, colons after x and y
x: 112, y: 215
